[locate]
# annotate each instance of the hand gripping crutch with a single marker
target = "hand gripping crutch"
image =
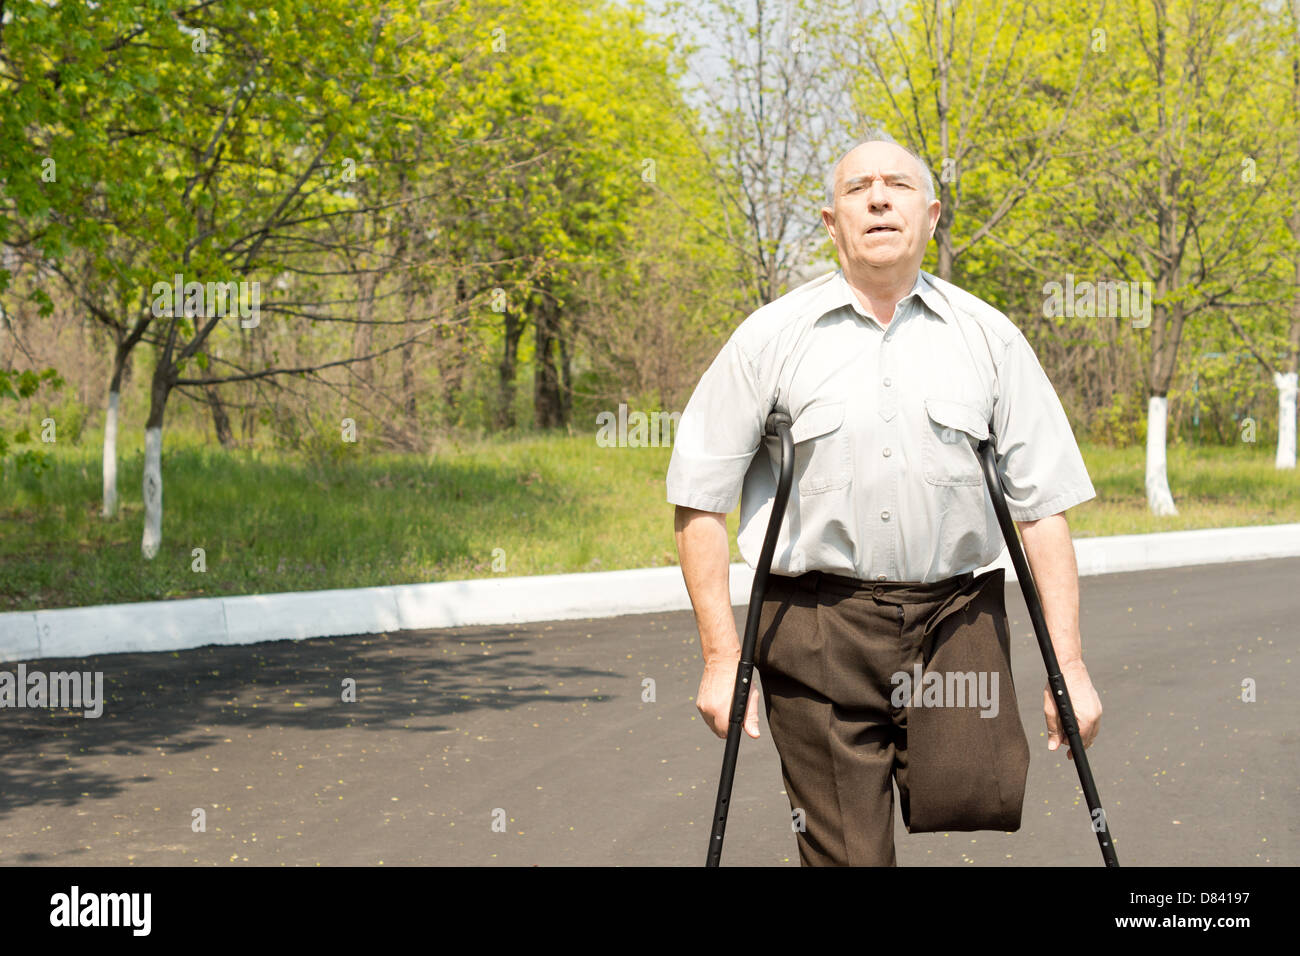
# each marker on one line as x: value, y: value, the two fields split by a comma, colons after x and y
x: 778, y: 423
x: 1064, y: 709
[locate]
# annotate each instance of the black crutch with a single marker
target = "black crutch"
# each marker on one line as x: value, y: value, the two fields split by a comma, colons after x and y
x: 778, y: 423
x: 1064, y: 709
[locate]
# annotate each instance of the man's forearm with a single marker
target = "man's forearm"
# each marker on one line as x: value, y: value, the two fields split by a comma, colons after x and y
x: 1050, y: 553
x: 705, y: 553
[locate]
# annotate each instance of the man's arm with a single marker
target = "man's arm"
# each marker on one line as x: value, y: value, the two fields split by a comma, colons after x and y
x: 705, y: 552
x: 1050, y: 554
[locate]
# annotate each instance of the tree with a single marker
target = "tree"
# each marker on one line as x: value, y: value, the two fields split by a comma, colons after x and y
x: 1271, y: 329
x: 771, y: 113
x: 1159, y: 189
x: 982, y: 93
x: 82, y: 95
x: 572, y: 98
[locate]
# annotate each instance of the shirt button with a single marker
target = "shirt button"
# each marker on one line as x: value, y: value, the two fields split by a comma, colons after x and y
x: 884, y: 516
x: 887, y: 453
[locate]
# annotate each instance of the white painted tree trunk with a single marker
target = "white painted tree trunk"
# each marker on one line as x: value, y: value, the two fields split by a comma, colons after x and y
x: 1159, y: 498
x: 110, y: 455
x: 1286, y: 395
x: 152, y: 492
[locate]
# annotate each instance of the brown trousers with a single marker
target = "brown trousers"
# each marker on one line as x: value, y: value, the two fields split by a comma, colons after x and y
x: 832, y: 652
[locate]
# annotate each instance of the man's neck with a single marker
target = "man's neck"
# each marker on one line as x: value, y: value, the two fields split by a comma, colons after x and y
x: 879, y: 292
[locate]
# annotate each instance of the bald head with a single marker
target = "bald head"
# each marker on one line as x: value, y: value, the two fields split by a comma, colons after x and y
x: 902, y: 155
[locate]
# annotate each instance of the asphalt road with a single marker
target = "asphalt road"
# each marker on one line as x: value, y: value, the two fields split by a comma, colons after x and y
x: 532, y: 744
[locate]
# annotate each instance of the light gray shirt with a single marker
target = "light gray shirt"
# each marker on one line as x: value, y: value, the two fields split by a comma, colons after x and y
x: 886, y: 420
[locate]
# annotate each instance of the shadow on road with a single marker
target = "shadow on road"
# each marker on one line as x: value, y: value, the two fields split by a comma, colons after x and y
x: 187, y: 700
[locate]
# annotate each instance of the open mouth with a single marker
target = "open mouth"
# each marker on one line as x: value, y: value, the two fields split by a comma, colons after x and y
x: 874, y: 229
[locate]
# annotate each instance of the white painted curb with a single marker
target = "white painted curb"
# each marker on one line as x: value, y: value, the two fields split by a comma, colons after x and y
x: 247, y: 619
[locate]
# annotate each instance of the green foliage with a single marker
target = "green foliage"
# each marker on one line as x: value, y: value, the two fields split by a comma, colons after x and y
x: 71, y: 417
x: 323, y: 446
x: 20, y: 386
x: 1220, y: 393
x: 1120, y: 424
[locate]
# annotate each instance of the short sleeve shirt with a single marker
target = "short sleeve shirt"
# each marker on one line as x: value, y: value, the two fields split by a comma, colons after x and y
x: 886, y: 420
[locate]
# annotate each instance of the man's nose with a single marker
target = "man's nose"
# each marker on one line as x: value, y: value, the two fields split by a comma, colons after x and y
x: 877, y: 195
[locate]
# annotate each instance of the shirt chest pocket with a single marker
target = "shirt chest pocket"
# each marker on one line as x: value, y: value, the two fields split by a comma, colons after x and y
x: 821, y: 449
x: 948, y: 440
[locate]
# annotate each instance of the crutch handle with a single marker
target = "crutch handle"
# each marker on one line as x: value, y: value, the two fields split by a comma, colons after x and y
x: 774, y: 421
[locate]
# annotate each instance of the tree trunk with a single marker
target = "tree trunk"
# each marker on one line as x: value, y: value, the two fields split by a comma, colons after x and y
x: 410, y: 298
x: 153, y: 504
x: 1167, y: 328
x: 363, y: 335
x: 947, y: 213
x: 248, y: 418
x: 1286, y: 381
x: 109, y: 508
x: 1286, y: 410
x: 452, y: 368
x: 1159, y: 498
x: 1167, y: 320
x: 110, y: 453
x: 220, y: 420
x: 514, y: 330
x: 565, y: 370
x: 546, y: 393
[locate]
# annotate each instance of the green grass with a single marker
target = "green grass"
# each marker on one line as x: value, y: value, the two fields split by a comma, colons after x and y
x: 1213, y: 487
x: 272, y: 521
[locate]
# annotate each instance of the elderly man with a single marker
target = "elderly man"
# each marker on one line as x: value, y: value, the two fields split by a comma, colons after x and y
x: 890, y: 377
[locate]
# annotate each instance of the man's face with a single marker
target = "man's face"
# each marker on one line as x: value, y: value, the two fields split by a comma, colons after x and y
x: 881, y: 220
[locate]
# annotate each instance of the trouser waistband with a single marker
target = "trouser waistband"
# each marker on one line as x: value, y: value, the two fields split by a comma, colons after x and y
x: 904, y: 592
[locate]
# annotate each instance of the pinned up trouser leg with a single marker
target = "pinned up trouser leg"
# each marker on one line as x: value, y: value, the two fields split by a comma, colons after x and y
x: 830, y: 652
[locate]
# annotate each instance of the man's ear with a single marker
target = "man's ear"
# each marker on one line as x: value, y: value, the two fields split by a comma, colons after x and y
x: 828, y: 220
x: 934, y: 216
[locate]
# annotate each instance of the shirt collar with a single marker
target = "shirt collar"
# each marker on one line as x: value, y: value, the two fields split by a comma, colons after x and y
x: 839, y: 294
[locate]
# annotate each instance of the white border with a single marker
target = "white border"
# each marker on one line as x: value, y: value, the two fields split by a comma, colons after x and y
x: 248, y: 619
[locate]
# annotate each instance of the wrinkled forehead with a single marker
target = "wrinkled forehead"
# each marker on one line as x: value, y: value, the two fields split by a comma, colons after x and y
x: 878, y: 159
